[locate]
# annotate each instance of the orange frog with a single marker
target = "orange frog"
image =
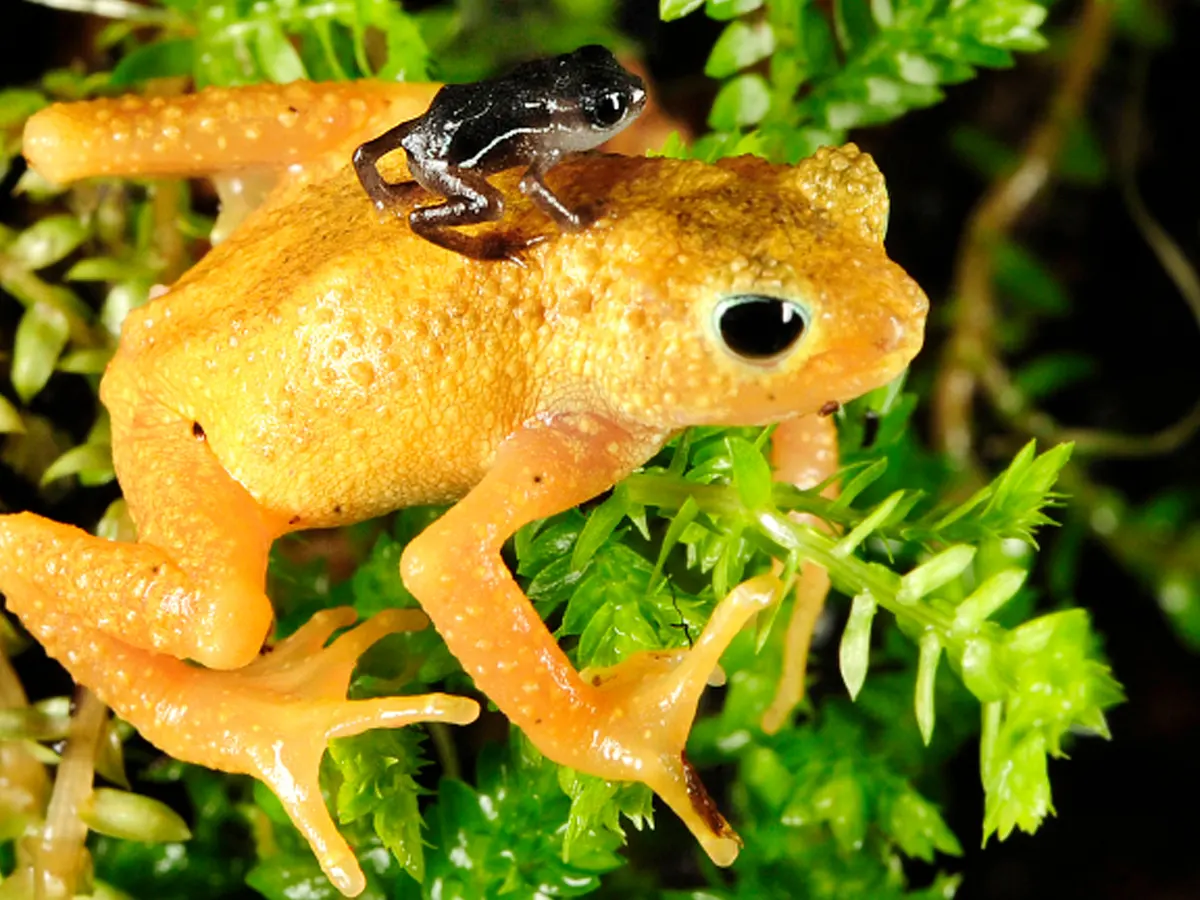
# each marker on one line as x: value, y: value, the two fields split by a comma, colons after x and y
x: 324, y: 364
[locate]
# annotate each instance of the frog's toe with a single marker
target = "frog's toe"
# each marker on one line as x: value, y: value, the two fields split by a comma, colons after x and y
x: 649, y: 702
x: 504, y: 246
x: 679, y: 785
x: 583, y: 215
x: 302, y: 662
x: 277, y: 716
x: 308, y: 640
x: 285, y: 749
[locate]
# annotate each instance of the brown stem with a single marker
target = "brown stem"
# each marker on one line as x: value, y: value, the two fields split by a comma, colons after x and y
x: 972, y: 311
x: 1016, y: 409
x: 998, y: 383
x: 59, y: 855
x: 971, y: 361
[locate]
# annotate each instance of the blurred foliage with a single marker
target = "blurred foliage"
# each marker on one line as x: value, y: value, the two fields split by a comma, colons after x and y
x: 831, y: 806
x: 1157, y: 540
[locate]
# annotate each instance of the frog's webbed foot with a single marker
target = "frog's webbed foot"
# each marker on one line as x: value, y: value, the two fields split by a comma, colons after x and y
x: 273, y: 718
x: 648, y: 703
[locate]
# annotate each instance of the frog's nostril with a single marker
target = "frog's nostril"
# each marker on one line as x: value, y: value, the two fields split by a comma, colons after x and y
x: 894, y: 335
x: 759, y: 328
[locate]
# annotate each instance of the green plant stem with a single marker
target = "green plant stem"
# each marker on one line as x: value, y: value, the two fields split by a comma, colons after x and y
x: 851, y: 574
x: 443, y: 746
x: 29, y: 289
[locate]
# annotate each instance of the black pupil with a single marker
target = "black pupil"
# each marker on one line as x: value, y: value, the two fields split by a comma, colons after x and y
x: 609, y: 109
x: 760, y: 327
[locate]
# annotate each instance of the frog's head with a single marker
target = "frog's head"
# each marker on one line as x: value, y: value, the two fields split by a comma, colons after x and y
x: 605, y: 98
x: 747, y: 293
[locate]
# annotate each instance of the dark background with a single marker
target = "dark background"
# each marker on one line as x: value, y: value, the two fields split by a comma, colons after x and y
x: 1126, y: 826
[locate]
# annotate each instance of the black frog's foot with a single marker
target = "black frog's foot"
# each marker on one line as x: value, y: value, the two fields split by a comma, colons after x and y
x: 586, y: 215
x: 501, y: 245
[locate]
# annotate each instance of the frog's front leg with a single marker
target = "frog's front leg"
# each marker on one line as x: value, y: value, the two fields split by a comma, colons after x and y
x: 533, y: 185
x: 804, y: 453
x: 628, y: 723
x: 118, y: 614
x: 274, y: 127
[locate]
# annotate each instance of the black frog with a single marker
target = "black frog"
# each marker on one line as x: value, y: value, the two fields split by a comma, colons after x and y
x: 533, y: 116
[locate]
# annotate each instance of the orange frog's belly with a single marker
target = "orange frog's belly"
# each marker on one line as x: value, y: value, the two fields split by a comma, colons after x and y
x: 322, y: 476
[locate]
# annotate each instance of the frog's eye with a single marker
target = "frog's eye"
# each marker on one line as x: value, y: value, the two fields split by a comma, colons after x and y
x: 608, y: 109
x: 760, y: 328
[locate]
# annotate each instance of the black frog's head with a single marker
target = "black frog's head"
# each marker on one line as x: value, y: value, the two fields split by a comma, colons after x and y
x: 607, y: 96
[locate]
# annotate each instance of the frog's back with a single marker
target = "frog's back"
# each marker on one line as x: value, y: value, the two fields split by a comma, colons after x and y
x: 318, y: 364
x: 472, y: 126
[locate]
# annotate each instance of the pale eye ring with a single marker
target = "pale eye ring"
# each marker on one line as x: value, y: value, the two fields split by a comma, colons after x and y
x: 758, y: 328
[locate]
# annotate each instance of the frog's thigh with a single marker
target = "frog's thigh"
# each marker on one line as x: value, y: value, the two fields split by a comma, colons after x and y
x: 213, y: 532
x: 193, y: 584
x: 215, y: 130
x: 470, y: 200
x: 804, y: 454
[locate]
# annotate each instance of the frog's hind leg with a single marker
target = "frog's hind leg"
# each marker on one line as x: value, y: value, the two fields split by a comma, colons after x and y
x: 271, y: 719
x: 384, y: 194
x: 217, y: 130
x: 117, y: 615
x: 471, y: 200
x: 193, y: 584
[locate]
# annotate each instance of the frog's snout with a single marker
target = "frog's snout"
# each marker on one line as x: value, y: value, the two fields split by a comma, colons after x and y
x: 847, y: 332
x: 904, y: 330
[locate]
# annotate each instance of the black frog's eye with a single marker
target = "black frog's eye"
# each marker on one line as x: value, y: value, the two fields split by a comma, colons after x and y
x: 760, y: 328
x: 608, y: 109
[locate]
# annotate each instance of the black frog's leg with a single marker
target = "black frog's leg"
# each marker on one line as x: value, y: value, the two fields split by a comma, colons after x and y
x: 366, y: 158
x: 534, y: 186
x: 470, y: 200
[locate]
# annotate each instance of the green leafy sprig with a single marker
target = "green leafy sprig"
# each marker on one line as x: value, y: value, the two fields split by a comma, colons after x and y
x: 796, y: 75
x: 1036, y: 682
